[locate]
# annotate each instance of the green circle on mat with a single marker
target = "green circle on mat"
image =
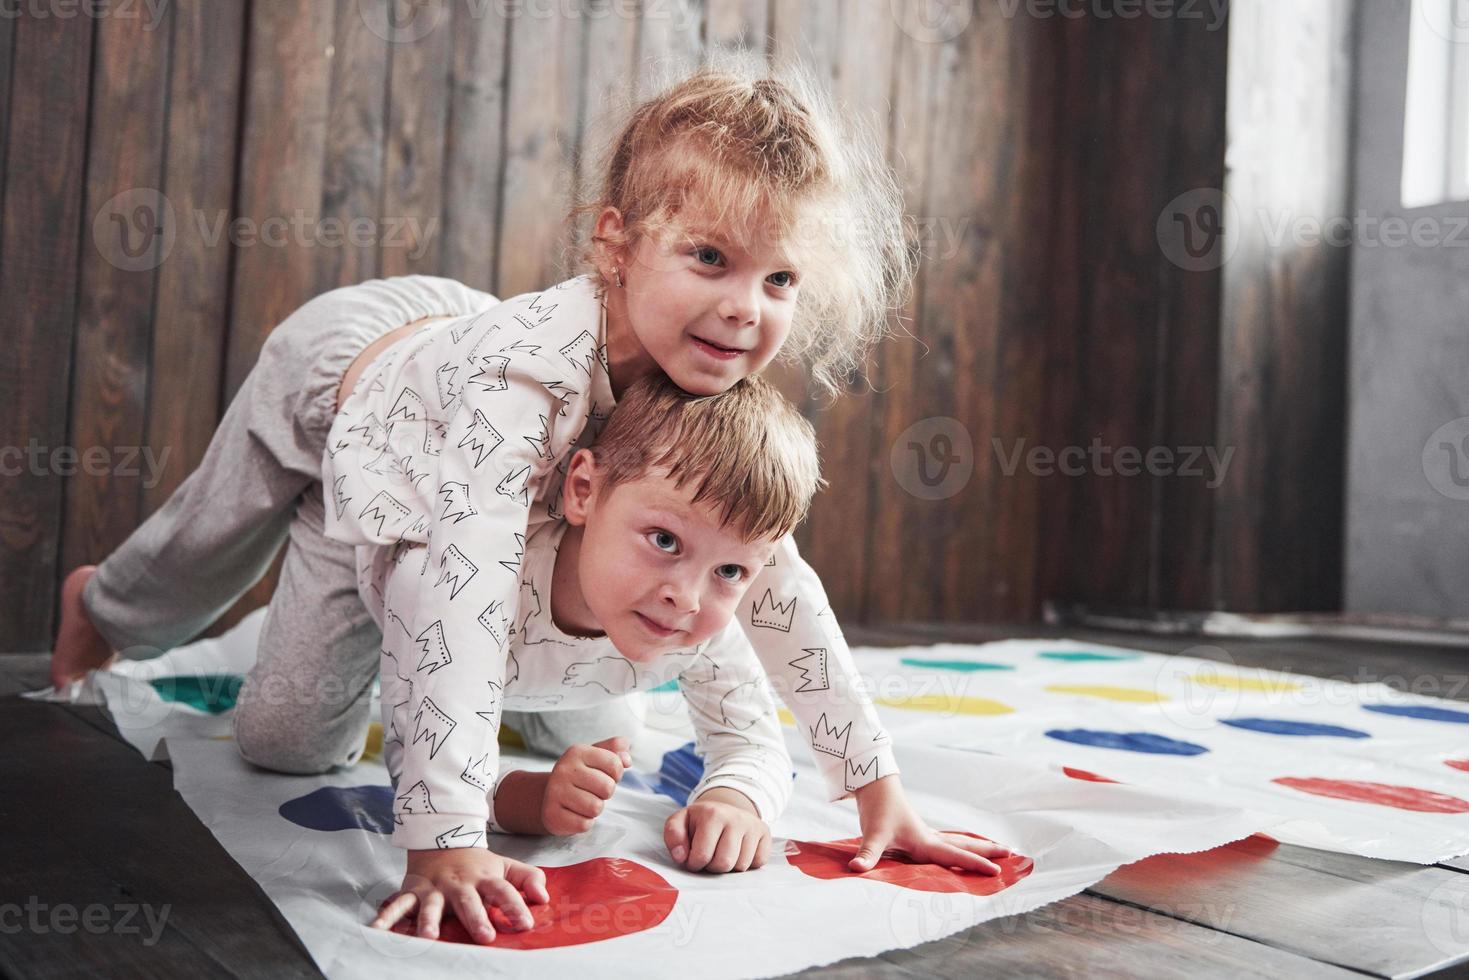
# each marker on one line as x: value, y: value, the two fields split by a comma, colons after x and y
x: 214, y: 693
x: 955, y: 664
x: 1077, y: 655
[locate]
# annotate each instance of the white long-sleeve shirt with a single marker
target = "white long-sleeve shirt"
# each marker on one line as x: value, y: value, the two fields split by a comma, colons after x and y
x: 446, y: 457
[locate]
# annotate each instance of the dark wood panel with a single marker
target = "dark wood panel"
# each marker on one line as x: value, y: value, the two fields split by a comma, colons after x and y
x: 64, y: 849
x: 45, y: 178
x: 349, y: 221
x: 282, y: 164
x: 543, y: 101
x: 895, y: 514
x: 1283, y: 310
x: 413, y: 186
x: 474, y: 146
x: 127, y: 235
x: 190, y: 317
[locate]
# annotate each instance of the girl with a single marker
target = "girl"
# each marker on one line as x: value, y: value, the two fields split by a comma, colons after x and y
x: 734, y: 223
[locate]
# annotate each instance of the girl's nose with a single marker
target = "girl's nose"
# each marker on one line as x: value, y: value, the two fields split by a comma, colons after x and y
x: 740, y: 306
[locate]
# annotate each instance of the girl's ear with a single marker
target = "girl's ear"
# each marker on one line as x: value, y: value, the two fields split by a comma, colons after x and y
x: 608, y: 226
x: 578, y: 490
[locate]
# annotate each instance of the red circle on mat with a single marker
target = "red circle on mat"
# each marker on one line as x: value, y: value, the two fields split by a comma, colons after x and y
x: 1090, y: 777
x: 1462, y: 764
x: 1385, y: 794
x: 828, y: 859
x: 595, y: 900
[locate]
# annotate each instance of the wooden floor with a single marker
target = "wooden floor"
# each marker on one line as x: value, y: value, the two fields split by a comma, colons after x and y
x: 85, y: 814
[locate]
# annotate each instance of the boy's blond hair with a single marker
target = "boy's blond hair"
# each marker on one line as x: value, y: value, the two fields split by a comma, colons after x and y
x: 747, y: 450
x: 748, y: 150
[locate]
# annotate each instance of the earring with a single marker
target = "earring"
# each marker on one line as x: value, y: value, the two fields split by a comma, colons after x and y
x: 618, y: 272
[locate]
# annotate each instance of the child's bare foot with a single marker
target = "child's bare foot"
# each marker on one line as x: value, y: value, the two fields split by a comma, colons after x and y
x: 79, y: 649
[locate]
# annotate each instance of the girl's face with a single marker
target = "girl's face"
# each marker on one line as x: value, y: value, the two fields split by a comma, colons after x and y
x: 708, y: 312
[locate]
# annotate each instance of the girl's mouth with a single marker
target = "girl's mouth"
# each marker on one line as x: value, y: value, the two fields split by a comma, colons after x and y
x: 715, y: 351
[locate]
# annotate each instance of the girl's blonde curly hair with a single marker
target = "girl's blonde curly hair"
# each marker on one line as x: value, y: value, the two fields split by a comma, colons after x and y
x: 754, y: 151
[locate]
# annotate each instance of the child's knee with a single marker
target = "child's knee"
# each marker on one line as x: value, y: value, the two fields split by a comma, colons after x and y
x: 270, y: 743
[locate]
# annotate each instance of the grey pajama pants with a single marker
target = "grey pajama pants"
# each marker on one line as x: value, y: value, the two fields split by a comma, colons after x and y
x: 305, y: 705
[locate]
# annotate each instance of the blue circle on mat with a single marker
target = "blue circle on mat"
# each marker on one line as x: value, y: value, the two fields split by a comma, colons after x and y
x: 1130, y: 741
x: 1421, y: 711
x: 1282, y: 726
x: 367, y: 808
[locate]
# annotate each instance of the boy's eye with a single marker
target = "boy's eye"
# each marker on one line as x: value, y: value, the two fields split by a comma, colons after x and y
x: 663, y: 540
x: 707, y: 250
x: 790, y: 279
x: 736, y: 572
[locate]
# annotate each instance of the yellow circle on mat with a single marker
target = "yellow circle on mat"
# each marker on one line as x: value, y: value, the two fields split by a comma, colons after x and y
x: 786, y: 718
x: 374, y: 750
x: 948, y: 704
x: 1229, y: 682
x: 1136, y: 695
x: 510, y: 737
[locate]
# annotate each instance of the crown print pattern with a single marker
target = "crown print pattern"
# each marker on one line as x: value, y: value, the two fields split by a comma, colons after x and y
x: 443, y: 463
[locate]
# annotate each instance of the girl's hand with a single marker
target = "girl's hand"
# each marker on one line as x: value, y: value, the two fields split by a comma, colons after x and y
x: 581, y: 783
x: 718, y: 832
x: 890, y: 823
x: 474, y: 879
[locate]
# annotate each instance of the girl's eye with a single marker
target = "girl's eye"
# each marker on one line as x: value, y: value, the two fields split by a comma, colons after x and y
x: 705, y: 250
x: 737, y: 572
x: 663, y: 540
x: 790, y: 279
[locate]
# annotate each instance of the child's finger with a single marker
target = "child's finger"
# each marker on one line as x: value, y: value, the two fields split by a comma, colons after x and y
x: 748, y: 848
x: 430, y: 910
x: 703, y: 843
x: 583, y: 803
x: 529, y: 879
x: 619, y: 746
x: 985, y: 848
x: 469, y: 908
x: 604, y: 760
x: 676, y: 835
x: 394, y: 909
x: 504, y: 896
x: 957, y: 857
x: 868, y: 854
x: 594, y: 781
x: 762, y: 852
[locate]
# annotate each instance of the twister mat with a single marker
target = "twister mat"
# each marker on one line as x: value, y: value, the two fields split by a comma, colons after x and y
x: 318, y: 845
x: 1078, y: 757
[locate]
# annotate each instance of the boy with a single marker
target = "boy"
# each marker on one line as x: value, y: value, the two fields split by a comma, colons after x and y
x: 668, y: 519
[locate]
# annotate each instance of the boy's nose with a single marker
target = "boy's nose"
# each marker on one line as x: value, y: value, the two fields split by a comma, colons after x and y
x: 682, y: 597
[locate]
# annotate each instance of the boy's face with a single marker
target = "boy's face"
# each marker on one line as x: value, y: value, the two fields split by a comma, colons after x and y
x: 657, y: 572
x: 710, y: 312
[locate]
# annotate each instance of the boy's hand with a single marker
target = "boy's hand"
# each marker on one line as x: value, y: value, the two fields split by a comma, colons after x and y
x: 718, y: 832
x: 474, y: 880
x: 889, y: 822
x: 581, y: 783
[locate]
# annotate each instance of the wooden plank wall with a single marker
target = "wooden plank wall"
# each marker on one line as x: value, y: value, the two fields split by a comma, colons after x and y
x: 1035, y: 152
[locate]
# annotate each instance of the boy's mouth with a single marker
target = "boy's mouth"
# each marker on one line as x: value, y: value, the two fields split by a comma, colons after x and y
x: 715, y: 350
x: 654, y: 627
